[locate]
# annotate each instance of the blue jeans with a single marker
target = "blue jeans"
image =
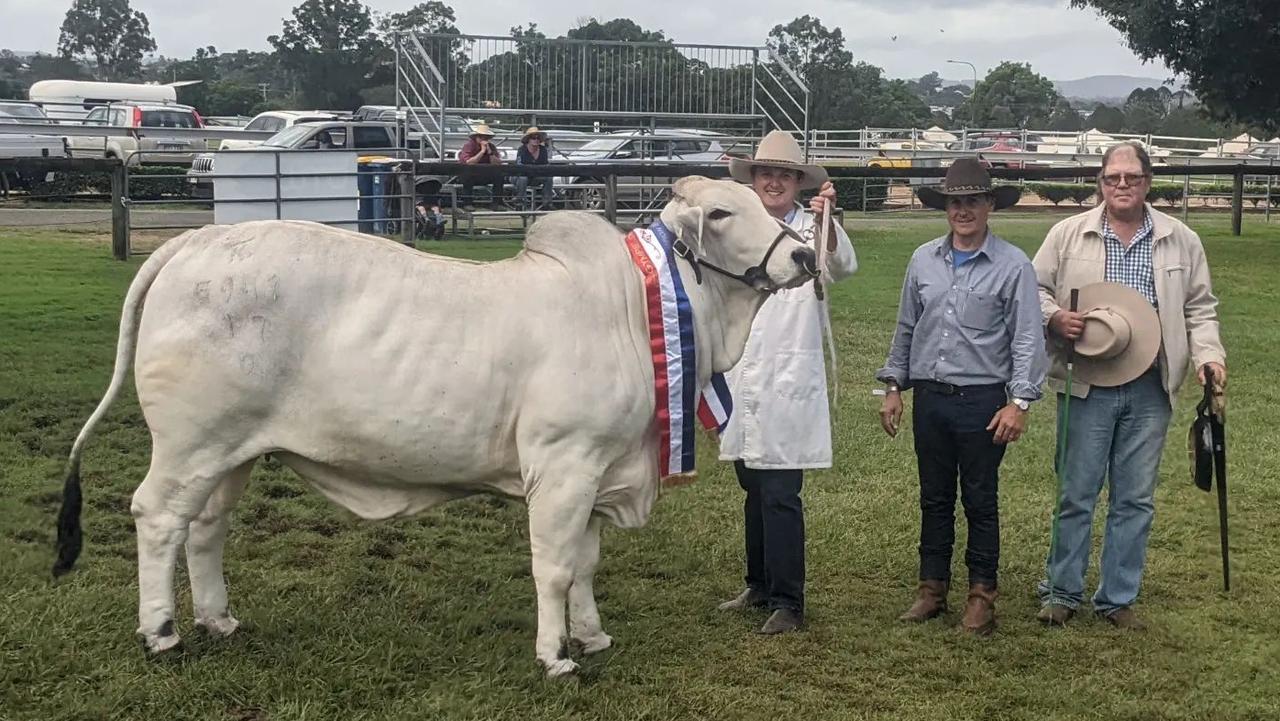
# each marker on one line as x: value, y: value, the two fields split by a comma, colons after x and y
x: 523, y: 182
x: 1120, y: 430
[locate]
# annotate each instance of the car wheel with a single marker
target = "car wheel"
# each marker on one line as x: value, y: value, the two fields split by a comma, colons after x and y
x: 587, y: 198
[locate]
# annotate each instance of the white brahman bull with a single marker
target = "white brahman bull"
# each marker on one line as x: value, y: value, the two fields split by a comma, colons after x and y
x: 310, y: 344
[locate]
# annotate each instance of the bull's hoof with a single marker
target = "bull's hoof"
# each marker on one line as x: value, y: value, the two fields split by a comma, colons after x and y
x: 561, y: 668
x: 594, y: 644
x: 221, y: 626
x: 166, y: 639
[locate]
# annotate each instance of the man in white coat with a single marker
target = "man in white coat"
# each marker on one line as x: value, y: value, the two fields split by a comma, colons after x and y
x: 781, y: 423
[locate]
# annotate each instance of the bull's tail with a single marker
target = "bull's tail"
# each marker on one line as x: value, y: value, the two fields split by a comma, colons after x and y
x: 70, y: 539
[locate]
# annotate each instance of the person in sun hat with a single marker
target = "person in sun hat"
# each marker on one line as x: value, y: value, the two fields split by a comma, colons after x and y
x: 534, y: 151
x: 1122, y: 399
x: 480, y: 150
x: 969, y: 342
x: 780, y: 425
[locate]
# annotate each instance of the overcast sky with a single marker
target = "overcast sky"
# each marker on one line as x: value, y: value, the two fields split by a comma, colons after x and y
x: 1059, y: 42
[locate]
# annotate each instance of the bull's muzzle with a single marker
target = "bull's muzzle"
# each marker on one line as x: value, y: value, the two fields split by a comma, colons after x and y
x: 807, y: 259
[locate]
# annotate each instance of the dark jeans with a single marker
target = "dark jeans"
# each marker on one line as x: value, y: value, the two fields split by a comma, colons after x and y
x: 951, y: 436
x: 775, y: 534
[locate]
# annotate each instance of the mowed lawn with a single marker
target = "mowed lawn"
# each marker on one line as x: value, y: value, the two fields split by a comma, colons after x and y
x: 433, y: 617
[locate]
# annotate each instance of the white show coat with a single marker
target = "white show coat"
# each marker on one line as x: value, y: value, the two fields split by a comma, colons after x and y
x: 780, y: 417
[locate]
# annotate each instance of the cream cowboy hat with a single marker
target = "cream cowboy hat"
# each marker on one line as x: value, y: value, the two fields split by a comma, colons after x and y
x: 533, y: 130
x: 1121, y: 335
x: 481, y: 129
x: 778, y: 150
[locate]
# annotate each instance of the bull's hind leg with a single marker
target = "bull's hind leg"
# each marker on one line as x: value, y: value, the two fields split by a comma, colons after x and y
x: 558, y: 513
x: 206, y: 537
x: 173, y: 494
x: 584, y: 618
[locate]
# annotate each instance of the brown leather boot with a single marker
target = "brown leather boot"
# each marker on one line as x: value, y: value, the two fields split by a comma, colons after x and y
x: 931, y: 602
x: 980, y: 610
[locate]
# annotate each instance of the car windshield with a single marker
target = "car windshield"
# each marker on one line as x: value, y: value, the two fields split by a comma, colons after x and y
x: 289, y: 137
x: 18, y: 110
x: 598, y: 148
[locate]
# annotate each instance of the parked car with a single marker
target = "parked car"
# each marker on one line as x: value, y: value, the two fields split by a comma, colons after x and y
x: 274, y: 121
x: 26, y: 145
x: 225, y: 121
x: 148, y: 122
x: 319, y: 135
x: 998, y: 144
x: 882, y: 160
x: 1265, y: 151
x: 24, y: 113
x: 663, y: 145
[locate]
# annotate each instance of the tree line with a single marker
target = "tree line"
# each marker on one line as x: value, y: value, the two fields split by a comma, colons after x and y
x: 337, y: 54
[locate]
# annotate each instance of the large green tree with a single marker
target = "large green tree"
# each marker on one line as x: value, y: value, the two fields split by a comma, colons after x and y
x: 1227, y: 49
x: 1012, y: 95
x: 818, y: 55
x: 109, y: 34
x: 1105, y: 118
x: 1145, y: 109
x: 331, y: 47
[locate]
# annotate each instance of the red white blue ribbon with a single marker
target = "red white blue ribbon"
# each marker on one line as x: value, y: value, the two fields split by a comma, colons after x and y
x: 675, y: 368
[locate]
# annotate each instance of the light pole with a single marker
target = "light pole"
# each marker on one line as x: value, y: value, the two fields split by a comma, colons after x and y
x: 973, y: 101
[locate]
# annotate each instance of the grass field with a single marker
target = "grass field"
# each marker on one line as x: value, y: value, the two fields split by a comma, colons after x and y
x: 433, y: 617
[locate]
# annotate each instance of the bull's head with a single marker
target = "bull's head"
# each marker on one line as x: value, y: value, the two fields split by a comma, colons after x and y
x: 726, y: 229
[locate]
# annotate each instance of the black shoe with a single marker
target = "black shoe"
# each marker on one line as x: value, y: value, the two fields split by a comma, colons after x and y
x: 783, y: 620
x: 748, y: 599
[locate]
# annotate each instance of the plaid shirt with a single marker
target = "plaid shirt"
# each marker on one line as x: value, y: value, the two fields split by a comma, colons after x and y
x: 1131, y: 266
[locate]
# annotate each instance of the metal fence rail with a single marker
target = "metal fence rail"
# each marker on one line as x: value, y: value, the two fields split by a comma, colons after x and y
x: 615, y: 190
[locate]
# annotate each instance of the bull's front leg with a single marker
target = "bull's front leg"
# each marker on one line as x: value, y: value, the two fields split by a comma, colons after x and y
x: 557, y: 521
x: 584, y: 617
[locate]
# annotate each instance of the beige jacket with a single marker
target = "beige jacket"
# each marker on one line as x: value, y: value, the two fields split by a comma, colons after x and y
x: 1073, y: 256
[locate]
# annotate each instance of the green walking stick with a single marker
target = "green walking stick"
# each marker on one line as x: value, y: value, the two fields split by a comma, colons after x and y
x: 1060, y: 458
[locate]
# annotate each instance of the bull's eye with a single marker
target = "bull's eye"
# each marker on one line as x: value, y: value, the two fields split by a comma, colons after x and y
x: 718, y: 214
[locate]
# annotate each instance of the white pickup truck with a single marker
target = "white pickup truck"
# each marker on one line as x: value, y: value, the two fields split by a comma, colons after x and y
x: 147, y: 142
x: 318, y: 135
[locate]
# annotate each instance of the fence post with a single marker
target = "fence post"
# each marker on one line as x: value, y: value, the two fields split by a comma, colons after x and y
x: 1186, y: 192
x: 1237, y: 201
x: 1267, y: 209
x: 119, y: 212
x: 408, y: 214
x: 611, y: 199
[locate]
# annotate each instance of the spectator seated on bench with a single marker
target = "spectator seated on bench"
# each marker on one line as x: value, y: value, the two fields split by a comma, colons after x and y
x: 480, y: 150
x: 534, y: 150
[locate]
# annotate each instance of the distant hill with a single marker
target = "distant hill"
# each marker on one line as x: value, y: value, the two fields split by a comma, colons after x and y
x: 1103, y: 87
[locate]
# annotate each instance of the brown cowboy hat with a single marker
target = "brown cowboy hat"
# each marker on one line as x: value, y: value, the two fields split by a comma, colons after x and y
x: 778, y: 150
x: 966, y: 176
x: 1121, y: 335
x: 532, y: 131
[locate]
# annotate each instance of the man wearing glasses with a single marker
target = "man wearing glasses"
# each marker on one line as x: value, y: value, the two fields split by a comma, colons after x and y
x: 1120, y: 429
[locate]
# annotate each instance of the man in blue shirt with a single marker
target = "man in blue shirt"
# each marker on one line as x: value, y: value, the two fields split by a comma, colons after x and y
x: 970, y: 342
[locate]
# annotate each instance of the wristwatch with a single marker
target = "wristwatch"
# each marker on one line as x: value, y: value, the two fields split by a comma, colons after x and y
x: 1022, y: 404
x: 892, y: 388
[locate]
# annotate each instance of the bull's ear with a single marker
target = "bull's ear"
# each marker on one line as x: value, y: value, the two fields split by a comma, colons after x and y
x: 690, y: 221
x: 683, y: 188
